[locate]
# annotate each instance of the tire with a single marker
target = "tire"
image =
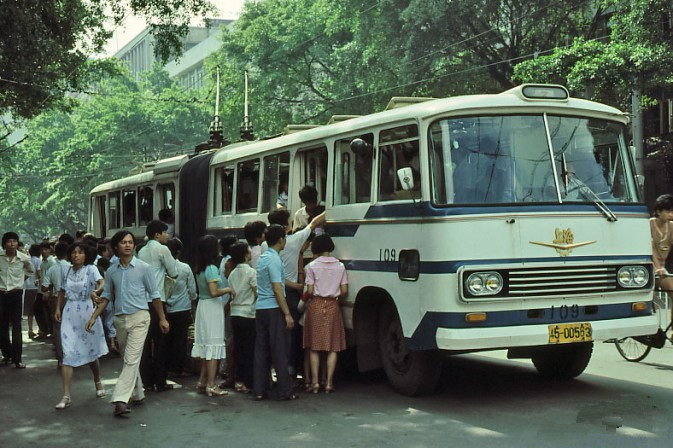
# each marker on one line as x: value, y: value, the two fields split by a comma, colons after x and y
x: 409, y: 372
x: 631, y: 349
x: 562, y: 362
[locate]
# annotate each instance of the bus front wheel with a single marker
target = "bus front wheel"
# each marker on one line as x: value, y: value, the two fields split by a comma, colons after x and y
x: 562, y: 362
x: 409, y: 372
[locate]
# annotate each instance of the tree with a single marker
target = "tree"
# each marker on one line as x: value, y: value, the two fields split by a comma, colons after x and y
x: 46, y: 44
x: 103, y: 137
x: 635, y: 53
x: 310, y: 59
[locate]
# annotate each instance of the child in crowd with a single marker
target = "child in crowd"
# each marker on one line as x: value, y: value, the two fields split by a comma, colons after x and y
x: 243, y: 281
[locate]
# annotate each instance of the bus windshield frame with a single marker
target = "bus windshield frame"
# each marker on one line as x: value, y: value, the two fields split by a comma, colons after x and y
x: 507, y: 159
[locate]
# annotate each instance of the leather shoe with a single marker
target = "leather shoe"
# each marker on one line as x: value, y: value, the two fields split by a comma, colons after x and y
x: 164, y: 388
x: 121, y: 408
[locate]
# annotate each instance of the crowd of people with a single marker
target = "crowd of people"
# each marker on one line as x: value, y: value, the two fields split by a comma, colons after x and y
x: 258, y: 306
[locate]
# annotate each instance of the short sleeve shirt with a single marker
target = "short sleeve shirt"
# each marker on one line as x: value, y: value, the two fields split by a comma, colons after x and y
x: 211, y: 274
x: 242, y: 279
x: 270, y: 270
x: 79, y: 284
x: 326, y: 274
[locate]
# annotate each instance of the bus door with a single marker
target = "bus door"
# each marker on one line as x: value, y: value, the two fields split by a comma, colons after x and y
x: 310, y: 169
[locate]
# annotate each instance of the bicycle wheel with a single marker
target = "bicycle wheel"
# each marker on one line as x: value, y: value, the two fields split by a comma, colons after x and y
x: 632, y: 350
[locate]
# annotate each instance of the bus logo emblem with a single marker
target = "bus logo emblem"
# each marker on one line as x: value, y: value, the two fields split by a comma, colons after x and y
x: 563, y: 242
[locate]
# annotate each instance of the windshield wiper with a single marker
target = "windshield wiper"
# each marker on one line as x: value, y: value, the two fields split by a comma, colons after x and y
x: 589, y: 193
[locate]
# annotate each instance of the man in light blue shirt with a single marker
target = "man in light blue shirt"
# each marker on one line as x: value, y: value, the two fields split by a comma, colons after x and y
x: 273, y: 320
x: 178, y: 308
x: 128, y: 283
x: 51, y: 285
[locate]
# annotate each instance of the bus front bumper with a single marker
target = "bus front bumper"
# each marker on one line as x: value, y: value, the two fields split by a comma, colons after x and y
x: 466, y: 339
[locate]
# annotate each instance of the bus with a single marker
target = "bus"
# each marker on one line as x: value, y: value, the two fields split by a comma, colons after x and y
x: 511, y: 221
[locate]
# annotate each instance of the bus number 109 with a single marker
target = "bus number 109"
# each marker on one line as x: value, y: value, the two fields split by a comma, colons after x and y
x: 387, y: 255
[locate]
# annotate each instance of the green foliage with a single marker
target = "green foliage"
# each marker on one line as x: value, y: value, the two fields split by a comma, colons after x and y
x: 46, y: 44
x: 636, y: 54
x: 310, y: 59
x: 49, y: 175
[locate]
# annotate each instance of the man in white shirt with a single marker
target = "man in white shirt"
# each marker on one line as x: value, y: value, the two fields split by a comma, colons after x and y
x: 293, y: 289
x: 309, y: 197
x: 153, y: 367
x: 15, y: 268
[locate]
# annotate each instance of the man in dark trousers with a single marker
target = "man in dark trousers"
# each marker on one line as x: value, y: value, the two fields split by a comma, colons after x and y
x: 153, y: 367
x: 15, y: 268
x: 273, y: 320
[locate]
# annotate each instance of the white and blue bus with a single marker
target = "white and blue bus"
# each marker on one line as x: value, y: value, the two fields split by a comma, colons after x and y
x: 472, y: 223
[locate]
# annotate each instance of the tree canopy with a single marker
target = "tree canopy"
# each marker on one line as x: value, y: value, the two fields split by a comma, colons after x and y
x: 46, y: 44
x: 123, y: 126
x: 310, y: 59
x: 607, y: 65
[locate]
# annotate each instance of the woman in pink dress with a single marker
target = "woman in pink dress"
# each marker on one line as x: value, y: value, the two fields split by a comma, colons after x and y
x: 327, y: 282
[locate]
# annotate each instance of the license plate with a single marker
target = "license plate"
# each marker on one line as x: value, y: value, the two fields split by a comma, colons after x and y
x: 566, y: 333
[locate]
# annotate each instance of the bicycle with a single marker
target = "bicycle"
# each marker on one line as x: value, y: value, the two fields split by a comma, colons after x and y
x: 636, y: 348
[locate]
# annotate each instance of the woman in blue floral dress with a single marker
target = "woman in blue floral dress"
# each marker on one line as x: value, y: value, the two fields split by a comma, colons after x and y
x: 79, y: 345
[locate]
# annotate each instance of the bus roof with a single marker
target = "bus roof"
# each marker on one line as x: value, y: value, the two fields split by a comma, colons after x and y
x: 510, y: 101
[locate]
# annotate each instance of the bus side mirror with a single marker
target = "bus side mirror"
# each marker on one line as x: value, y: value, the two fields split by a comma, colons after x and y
x: 406, y: 177
x: 361, y: 148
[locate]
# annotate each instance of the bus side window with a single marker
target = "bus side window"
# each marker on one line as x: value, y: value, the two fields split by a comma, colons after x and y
x: 398, y: 148
x: 275, y: 182
x: 129, y: 209
x: 167, y: 192
x: 114, y: 210
x: 146, y: 202
x: 351, y: 188
x: 224, y: 193
x: 311, y: 165
x: 247, y: 194
x: 101, y: 208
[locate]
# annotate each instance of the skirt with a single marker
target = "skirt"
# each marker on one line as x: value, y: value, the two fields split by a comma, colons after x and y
x: 209, y: 330
x: 79, y: 346
x: 324, y: 326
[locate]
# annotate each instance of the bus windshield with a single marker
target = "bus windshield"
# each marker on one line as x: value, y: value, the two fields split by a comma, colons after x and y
x: 506, y: 159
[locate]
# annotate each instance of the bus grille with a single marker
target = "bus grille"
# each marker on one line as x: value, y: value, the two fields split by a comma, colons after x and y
x: 562, y: 280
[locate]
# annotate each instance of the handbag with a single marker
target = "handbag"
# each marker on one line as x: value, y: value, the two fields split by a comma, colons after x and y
x: 169, y: 286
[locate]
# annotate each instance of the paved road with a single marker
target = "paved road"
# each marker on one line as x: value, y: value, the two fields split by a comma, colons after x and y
x: 485, y: 400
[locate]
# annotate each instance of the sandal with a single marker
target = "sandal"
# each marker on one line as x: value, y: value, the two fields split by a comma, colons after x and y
x: 313, y: 389
x: 64, y: 403
x: 215, y: 391
x: 201, y: 388
x: 240, y: 387
x: 100, y: 390
x: 31, y: 334
x: 329, y: 389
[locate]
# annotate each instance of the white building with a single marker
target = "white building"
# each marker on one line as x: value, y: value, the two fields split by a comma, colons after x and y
x: 188, y: 68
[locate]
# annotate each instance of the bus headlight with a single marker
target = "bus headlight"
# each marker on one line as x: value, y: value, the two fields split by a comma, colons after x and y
x: 633, y: 276
x: 484, y: 283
